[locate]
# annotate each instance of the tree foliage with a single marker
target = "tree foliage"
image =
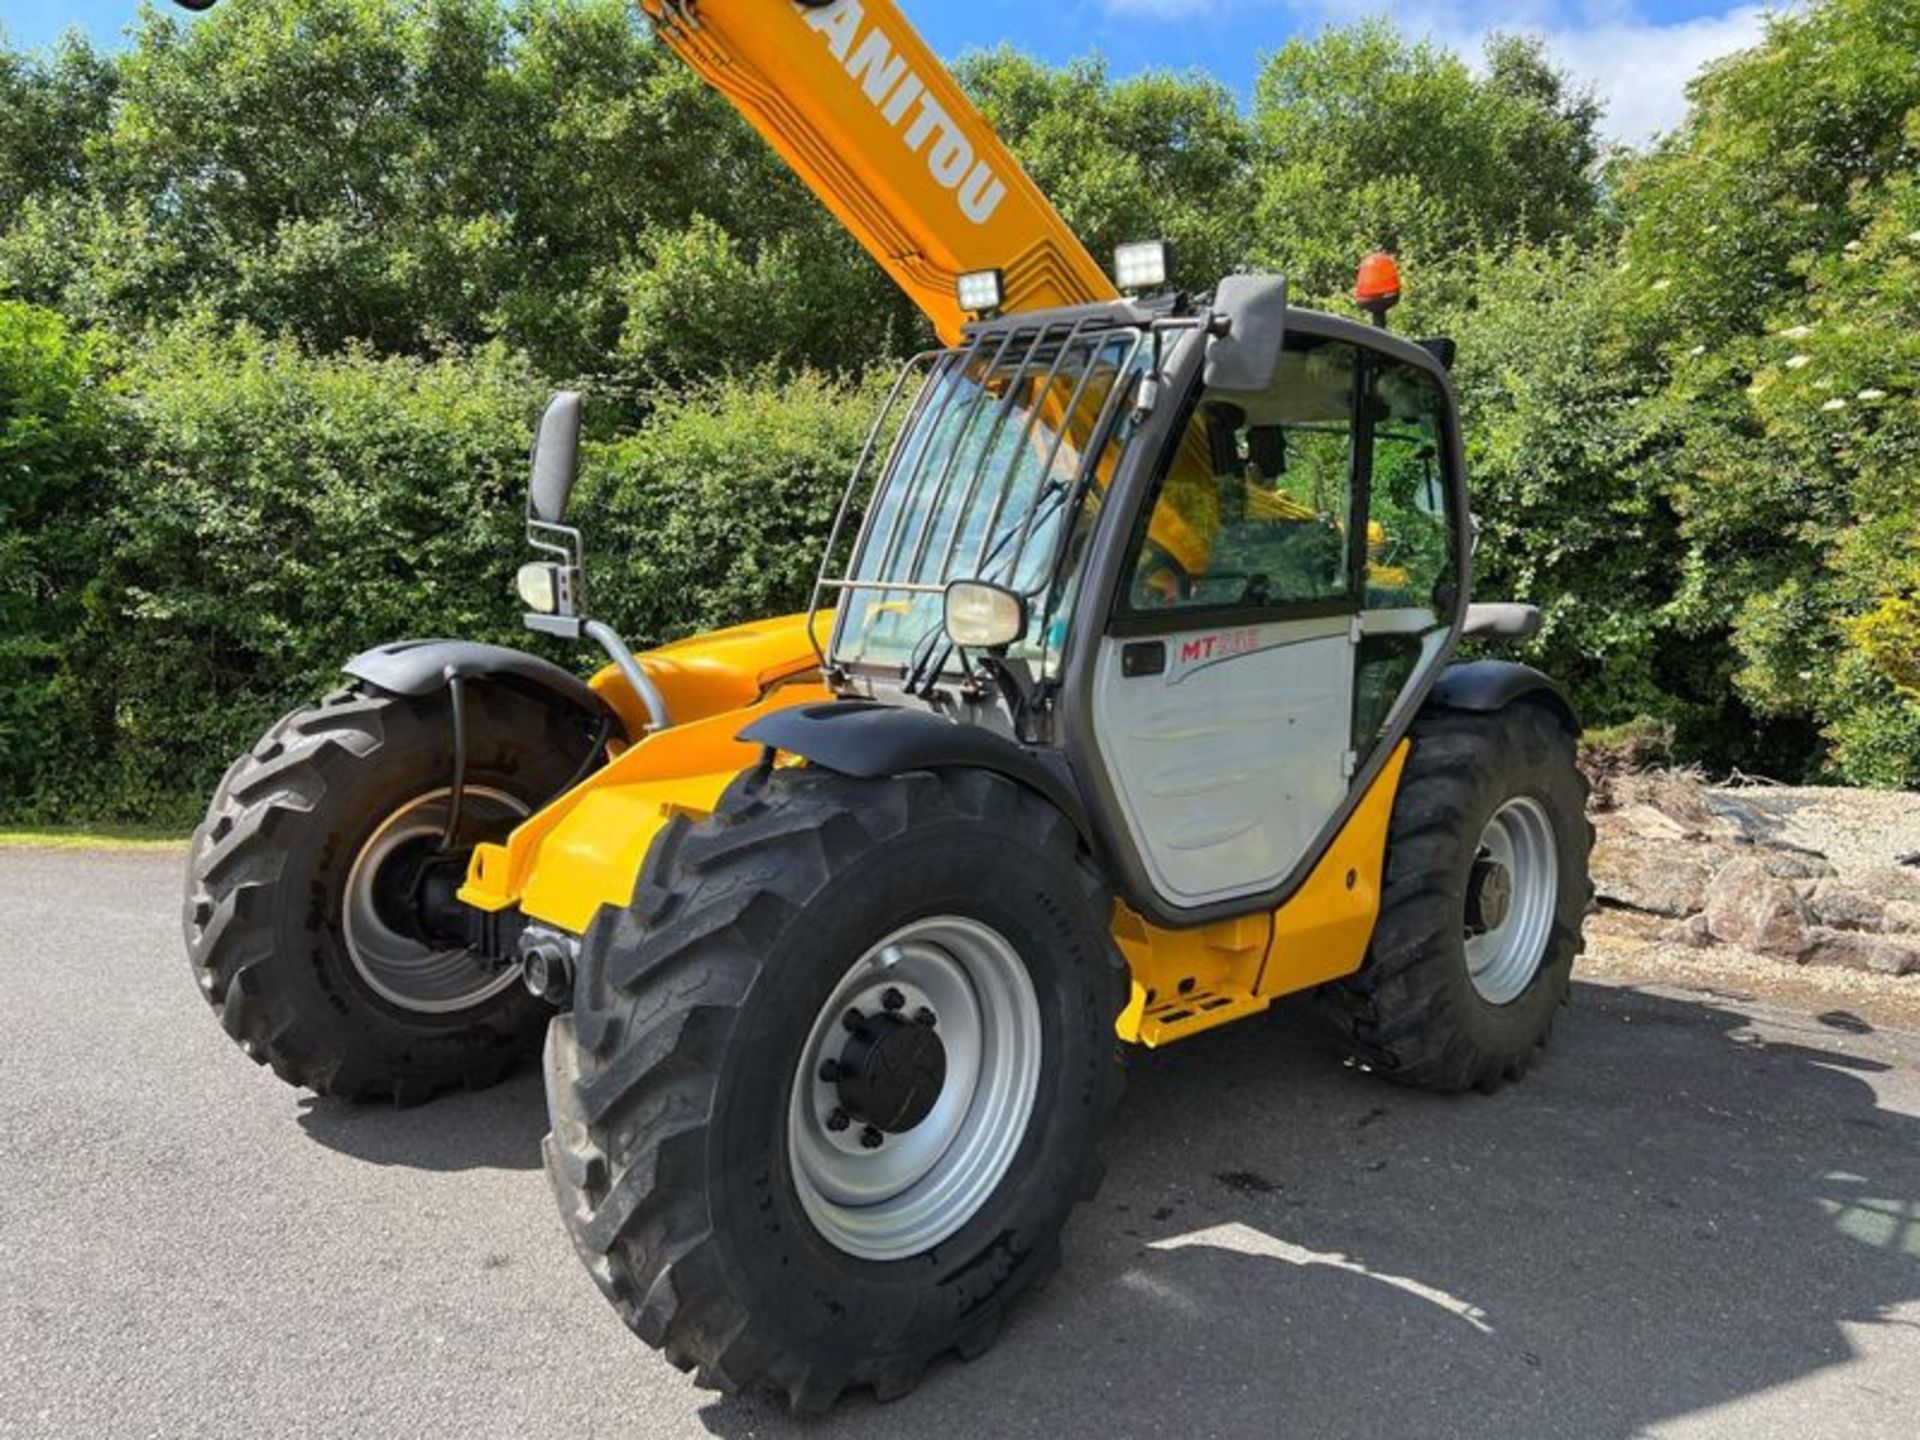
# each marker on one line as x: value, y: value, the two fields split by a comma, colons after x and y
x: 1776, y: 244
x: 410, y: 173
x: 1367, y: 140
x: 1156, y: 156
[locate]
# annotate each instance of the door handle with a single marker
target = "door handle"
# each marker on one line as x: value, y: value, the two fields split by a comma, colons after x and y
x: 1143, y: 657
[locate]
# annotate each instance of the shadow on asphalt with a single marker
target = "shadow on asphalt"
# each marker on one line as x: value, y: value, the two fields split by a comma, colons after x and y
x: 1670, y: 1214
x: 497, y: 1129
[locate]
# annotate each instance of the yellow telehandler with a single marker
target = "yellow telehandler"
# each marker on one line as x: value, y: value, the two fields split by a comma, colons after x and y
x: 1125, y: 704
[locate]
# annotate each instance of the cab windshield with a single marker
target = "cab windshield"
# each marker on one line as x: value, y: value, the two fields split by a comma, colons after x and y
x: 996, y: 473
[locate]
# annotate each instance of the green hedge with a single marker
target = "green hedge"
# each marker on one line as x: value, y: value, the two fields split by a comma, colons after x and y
x: 200, y: 534
x: 55, y: 474
x: 715, y: 510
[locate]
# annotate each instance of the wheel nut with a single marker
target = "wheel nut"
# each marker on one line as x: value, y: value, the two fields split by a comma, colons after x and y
x: 924, y: 1016
x: 838, y: 1120
x: 852, y: 1019
x: 893, y: 999
x: 829, y: 1071
x: 871, y: 1138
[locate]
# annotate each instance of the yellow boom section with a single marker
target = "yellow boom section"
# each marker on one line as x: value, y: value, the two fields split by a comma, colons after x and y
x: 867, y: 116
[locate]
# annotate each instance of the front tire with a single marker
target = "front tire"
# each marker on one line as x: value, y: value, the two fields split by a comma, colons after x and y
x: 296, y: 925
x: 1484, y: 893
x: 752, y: 1135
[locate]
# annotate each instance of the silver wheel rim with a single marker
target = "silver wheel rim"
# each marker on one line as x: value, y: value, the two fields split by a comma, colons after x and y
x: 923, y: 1183
x: 401, y: 968
x: 1503, y: 957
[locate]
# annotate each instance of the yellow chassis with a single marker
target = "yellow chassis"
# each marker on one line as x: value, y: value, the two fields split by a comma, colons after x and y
x: 586, y: 848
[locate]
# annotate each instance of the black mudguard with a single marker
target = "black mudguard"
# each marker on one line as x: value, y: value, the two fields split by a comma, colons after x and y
x: 869, y: 741
x: 1485, y: 685
x: 420, y: 667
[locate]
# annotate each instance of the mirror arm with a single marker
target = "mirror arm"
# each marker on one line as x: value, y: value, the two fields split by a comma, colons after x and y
x: 608, y: 639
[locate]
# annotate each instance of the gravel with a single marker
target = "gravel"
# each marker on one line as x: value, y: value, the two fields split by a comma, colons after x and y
x: 1855, y: 829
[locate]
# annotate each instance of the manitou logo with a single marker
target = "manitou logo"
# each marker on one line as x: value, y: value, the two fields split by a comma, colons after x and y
x: 901, y: 96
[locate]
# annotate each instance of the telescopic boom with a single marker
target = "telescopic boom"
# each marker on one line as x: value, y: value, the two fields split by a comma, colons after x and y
x: 871, y: 121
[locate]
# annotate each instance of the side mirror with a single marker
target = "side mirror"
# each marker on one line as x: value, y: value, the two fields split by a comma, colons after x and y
x: 556, y: 459
x: 1250, y: 321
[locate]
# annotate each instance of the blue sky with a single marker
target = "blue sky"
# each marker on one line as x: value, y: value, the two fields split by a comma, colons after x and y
x: 1639, y: 53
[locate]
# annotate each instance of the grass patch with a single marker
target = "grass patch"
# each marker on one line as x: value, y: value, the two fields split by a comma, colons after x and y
x: 92, y: 837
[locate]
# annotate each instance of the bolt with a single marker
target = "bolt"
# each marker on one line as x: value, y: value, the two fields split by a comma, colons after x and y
x: 829, y: 1070
x: 851, y: 1020
x: 871, y: 1138
x: 838, y: 1120
x: 926, y: 1017
x: 893, y: 999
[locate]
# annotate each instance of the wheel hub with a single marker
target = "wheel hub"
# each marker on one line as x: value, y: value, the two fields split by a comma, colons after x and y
x: 891, y: 1072
x: 914, y: 1088
x: 403, y: 924
x: 1489, y: 895
x: 1512, y: 889
x: 414, y: 891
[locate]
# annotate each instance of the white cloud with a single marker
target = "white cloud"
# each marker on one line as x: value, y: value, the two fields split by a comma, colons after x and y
x: 1639, y: 66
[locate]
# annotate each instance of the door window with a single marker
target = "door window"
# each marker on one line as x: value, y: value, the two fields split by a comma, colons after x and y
x: 1254, y: 508
x: 1409, y: 534
x: 1410, y: 574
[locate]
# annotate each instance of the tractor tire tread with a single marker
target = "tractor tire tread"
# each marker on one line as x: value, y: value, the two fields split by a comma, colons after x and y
x: 1399, y: 1012
x: 660, y: 981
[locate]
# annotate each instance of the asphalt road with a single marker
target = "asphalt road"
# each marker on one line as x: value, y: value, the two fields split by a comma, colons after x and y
x: 1696, y: 1218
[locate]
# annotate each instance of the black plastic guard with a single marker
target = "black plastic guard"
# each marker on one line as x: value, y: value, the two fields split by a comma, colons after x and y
x: 419, y: 667
x: 869, y: 740
x: 1494, y: 684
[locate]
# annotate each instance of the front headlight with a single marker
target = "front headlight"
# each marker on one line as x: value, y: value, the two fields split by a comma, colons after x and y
x: 539, y: 585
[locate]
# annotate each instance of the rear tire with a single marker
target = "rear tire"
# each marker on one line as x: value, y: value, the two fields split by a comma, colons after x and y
x: 1434, y: 1006
x: 325, y: 991
x: 685, y: 1086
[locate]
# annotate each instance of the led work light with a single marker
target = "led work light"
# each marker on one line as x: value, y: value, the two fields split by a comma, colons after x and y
x: 1140, y: 266
x: 981, y: 291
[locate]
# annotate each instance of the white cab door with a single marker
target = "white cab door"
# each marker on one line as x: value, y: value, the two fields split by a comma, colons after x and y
x: 1232, y: 756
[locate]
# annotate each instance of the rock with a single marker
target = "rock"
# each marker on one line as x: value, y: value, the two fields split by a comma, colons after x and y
x: 1901, y: 917
x: 1858, y: 950
x: 1890, y: 883
x: 1792, y: 863
x: 1891, y: 955
x: 1845, y: 948
x: 1651, y: 824
x: 1833, y: 903
x: 1681, y: 803
x: 1663, y: 877
x: 1691, y: 932
x: 1748, y: 905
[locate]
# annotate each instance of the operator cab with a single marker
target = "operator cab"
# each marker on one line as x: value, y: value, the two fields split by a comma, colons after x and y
x: 1208, y: 556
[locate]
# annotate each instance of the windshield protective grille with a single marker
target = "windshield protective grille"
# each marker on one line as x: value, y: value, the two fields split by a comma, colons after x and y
x: 987, y: 475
